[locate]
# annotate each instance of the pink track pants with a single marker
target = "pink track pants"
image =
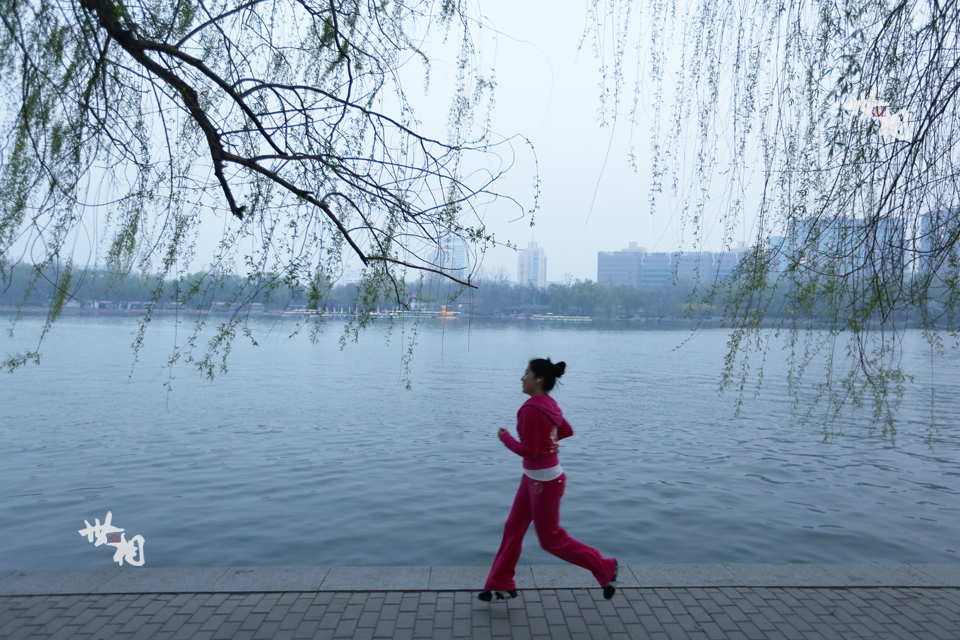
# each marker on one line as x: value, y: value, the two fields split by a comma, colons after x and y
x: 539, y: 502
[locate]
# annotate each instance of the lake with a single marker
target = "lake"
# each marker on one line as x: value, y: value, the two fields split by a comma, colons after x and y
x: 306, y: 455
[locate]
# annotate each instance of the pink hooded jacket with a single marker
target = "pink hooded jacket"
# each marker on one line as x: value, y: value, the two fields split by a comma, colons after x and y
x: 540, y: 424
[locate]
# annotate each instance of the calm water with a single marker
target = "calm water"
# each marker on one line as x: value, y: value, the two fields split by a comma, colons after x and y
x: 306, y: 455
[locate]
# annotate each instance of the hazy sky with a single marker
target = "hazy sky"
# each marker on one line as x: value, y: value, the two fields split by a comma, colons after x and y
x: 550, y: 93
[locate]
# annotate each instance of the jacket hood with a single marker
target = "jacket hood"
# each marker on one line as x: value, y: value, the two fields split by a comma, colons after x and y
x: 548, y: 405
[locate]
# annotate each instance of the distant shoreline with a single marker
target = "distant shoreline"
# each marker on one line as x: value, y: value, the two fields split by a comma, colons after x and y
x: 767, y: 323
x: 334, y: 315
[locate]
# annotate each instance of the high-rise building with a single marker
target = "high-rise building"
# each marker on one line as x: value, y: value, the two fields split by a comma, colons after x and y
x: 455, y: 258
x: 937, y: 229
x: 843, y: 245
x: 532, y: 266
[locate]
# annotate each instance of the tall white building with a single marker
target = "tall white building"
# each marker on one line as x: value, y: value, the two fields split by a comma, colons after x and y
x: 456, y: 257
x: 532, y: 266
x: 453, y: 257
x: 936, y: 232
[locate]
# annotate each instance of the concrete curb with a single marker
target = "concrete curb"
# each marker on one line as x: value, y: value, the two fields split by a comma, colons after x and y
x: 301, y: 579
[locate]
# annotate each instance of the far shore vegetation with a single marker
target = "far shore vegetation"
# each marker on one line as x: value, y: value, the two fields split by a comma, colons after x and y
x: 496, y: 297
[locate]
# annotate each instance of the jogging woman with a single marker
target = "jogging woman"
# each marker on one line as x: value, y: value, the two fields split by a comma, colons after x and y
x: 540, y: 425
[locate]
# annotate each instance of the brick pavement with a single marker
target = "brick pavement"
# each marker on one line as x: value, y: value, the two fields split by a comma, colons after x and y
x: 707, y: 613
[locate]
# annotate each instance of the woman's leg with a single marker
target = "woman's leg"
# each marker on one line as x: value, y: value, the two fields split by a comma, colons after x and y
x: 545, y: 505
x: 505, y: 564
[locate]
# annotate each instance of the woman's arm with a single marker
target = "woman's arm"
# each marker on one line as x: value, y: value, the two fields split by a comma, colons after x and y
x: 529, y: 443
x: 564, y: 430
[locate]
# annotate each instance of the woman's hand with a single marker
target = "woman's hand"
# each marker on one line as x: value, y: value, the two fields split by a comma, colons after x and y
x: 500, y: 431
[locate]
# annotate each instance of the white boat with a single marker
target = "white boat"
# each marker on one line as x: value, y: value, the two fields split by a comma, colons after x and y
x: 551, y: 317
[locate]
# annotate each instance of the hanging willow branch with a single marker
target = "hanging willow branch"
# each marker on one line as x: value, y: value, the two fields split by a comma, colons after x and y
x: 143, y: 119
x: 851, y: 215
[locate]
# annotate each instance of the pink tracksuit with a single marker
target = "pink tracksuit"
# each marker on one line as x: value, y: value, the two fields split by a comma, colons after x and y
x: 540, y: 424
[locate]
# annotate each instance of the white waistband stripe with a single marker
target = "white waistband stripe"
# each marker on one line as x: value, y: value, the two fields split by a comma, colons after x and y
x: 544, y: 475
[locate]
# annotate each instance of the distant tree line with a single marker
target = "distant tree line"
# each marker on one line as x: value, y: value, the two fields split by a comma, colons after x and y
x: 494, y: 296
x: 194, y: 291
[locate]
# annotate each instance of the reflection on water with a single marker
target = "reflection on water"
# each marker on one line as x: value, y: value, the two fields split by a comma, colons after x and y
x: 306, y: 455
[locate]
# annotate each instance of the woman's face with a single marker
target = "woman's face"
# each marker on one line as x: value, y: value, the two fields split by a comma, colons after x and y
x: 530, y: 385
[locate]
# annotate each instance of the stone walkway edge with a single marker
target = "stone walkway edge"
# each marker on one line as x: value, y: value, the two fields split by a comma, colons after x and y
x: 132, y: 579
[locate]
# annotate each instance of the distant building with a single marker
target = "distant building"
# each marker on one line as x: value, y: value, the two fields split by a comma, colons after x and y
x: 842, y: 245
x: 937, y: 229
x: 725, y: 262
x: 657, y: 269
x: 532, y: 266
x: 777, y: 246
x: 704, y: 266
x: 636, y: 268
x: 624, y: 267
x: 350, y: 276
x: 454, y: 258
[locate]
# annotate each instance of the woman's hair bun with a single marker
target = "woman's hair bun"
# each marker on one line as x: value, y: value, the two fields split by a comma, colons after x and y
x: 548, y: 371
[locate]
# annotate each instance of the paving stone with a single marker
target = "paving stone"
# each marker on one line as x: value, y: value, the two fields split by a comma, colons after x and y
x: 762, y: 621
x: 461, y: 627
x: 827, y: 631
x: 518, y: 617
x: 538, y: 626
x: 518, y: 633
x: 948, y: 623
x: 590, y: 616
x: 559, y: 632
x: 481, y: 633
x: 651, y: 624
x: 384, y: 628
x: 614, y: 624
x: 352, y: 611
x: 575, y: 624
x: 292, y: 620
x: 423, y: 629
x: 329, y: 621
x: 406, y: 619
x: 443, y: 620
x: 499, y: 627
x: 345, y: 629
x: 627, y: 615
x: 584, y: 600
x: 554, y: 616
